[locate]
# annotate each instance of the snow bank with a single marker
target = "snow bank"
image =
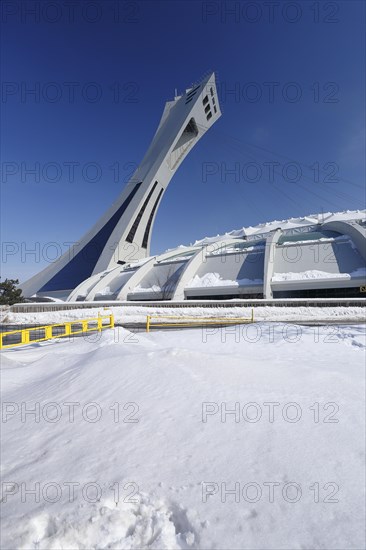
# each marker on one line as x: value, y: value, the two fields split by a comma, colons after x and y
x: 139, y: 288
x: 215, y: 279
x: 146, y: 524
x: 232, y: 249
x: 106, y: 291
x: 291, y: 223
x: 155, y: 468
x: 316, y: 274
x: 138, y: 313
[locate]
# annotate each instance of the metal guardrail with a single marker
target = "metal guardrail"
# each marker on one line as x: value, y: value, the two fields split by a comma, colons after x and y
x: 47, y: 332
x: 195, y: 321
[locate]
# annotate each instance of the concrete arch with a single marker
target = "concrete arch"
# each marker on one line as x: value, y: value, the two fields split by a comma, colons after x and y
x: 351, y: 228
x: 193, y: 266
x: 269, y: 262
x: 86, y: 286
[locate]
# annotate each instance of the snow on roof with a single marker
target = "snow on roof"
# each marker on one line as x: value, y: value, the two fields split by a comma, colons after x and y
x: 291, y: 223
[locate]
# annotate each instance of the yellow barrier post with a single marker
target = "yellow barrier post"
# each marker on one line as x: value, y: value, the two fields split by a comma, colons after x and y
x: 100, y: 322
x: 148, y: 323
x: 252, y: 314
x: 25, y: 336
x: 48, y: 332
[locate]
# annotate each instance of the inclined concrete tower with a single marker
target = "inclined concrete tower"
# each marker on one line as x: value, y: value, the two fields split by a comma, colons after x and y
x: 123, y: 233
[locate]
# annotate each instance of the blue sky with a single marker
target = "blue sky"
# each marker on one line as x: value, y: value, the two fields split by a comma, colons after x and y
x: 291, y: 77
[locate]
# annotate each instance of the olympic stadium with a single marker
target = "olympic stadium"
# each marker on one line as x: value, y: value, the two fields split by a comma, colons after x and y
x: 316, y: 256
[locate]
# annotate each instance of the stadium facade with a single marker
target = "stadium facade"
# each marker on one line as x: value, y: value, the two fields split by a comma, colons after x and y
x: 314, y: 256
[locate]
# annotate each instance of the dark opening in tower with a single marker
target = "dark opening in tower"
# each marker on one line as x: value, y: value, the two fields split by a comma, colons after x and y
x: 183, y: 144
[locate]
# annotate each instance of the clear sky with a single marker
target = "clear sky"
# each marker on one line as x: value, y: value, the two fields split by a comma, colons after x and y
x: 291, y: 141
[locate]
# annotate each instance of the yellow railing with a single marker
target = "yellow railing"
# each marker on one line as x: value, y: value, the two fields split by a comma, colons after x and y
x: 194, y: 321
x: 82, y: 326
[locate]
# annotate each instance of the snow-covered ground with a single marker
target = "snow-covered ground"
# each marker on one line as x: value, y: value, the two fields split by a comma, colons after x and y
x: 247, y: 437
x: 138, y: 314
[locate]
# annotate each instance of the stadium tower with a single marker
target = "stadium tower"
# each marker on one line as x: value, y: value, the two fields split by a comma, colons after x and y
x: 123, y: 233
